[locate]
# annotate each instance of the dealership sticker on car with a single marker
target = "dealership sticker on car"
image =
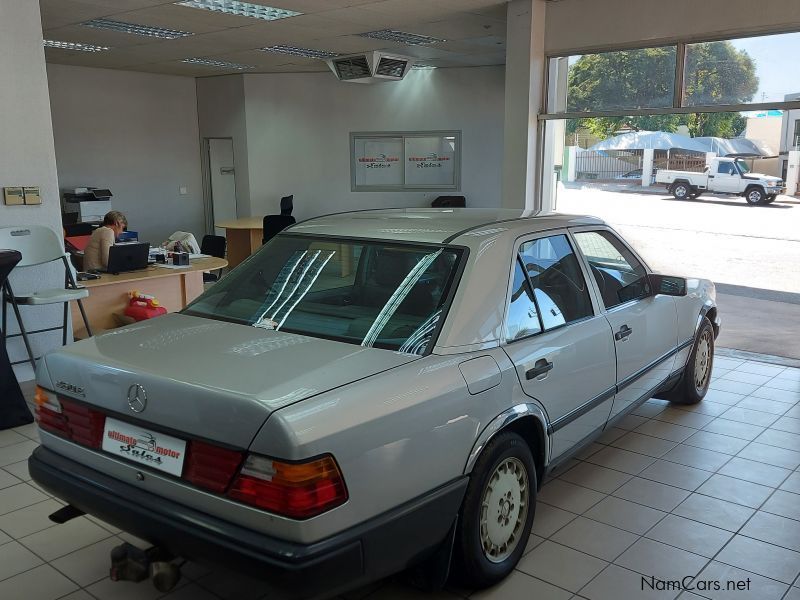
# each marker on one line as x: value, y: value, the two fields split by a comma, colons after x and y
x: 150, y: 448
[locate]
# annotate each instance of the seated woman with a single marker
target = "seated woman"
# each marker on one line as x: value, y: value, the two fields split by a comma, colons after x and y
x: 95, y: 257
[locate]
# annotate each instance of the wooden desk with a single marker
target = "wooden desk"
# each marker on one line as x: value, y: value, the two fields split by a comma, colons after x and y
x: 174, y: 289
x: 244, y: 237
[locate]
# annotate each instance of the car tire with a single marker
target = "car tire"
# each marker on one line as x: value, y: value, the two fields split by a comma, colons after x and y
x: 497, y: 512
x: 770, y: 199
x: 697, y: 374
x: 755, y: 196
x: 681, y: 191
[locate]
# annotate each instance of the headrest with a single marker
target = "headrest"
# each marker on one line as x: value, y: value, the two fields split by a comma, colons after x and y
x: 287, y: 205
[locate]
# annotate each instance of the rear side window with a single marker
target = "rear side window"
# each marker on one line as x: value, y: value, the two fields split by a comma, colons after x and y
x: 523, y: 316
x: 619, y: 275
x: 548, y: 290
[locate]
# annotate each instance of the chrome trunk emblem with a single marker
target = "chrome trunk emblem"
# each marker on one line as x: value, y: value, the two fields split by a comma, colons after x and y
x: 137, y: 398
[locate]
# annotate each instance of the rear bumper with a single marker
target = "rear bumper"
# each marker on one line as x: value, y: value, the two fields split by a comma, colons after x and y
x: 374, y: 549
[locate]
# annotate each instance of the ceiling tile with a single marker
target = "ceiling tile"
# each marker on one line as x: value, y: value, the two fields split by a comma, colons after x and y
x: 463, y: 26
x: 57, y: 13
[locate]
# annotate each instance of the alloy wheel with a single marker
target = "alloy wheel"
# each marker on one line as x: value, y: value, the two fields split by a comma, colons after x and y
x: 504, y: 509
x: 702, y: 361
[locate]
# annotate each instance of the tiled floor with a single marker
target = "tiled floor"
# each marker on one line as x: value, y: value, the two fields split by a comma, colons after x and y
x: 711, y: 491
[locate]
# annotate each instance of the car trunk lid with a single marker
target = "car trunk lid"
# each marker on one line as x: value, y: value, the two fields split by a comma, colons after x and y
x: 208, y: 379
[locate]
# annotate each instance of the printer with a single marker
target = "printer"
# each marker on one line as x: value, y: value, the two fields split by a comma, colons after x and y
x: 86, y: 205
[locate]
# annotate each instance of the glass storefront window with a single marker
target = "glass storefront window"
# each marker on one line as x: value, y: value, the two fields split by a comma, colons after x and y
x: 740, y: 71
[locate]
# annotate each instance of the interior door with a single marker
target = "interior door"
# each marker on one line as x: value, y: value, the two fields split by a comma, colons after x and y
x: 561, y: 347
x: 644, y: 327
x: 222, y: 174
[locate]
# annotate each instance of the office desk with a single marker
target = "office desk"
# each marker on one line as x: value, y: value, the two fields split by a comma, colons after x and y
x: 244, y: 237
x: 173, y: 288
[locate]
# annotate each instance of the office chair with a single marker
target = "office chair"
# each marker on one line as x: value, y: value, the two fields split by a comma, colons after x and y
x: 449, y: 202
x: 274, y: 224
x: 39, y: 245
x: 213, y: 245
x: 13, y: 409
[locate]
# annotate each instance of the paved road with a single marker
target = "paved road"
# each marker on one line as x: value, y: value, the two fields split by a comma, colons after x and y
x: 721, y: 238
x: 751, y: 252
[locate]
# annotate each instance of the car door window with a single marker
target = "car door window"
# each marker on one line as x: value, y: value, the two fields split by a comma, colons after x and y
x: 725, y: 169
x: 559, y: 289
x: 522, y: 319
x: 619, y: 275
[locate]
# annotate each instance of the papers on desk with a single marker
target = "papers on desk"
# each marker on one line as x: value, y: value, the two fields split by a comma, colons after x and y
x: 193, y: 256
x: 166, y: 266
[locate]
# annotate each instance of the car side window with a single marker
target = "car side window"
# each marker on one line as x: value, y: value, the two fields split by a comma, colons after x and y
x: 559, y: 289
x: 523, y: 317
x: 725, y: 168
x: 619, y: 275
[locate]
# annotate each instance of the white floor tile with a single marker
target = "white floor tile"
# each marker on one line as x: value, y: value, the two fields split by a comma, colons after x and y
x: 520, y: 585
x: 715, y: 512
x: 695, y: 537
x: 19, y: 496
x: 757, y: 586
x: 561, y: 566
x: 41, y: 583
x: 57, y: 541
x: 761, y: 558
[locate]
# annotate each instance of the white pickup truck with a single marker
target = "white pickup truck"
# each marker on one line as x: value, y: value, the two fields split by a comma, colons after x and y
x: 723, y: 176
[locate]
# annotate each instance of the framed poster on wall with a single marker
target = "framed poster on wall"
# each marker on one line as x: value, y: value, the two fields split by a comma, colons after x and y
x: 378, y: 162
x: 430, y: 161
x: 404, y: 161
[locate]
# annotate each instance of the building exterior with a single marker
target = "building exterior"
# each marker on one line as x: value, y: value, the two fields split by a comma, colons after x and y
x: 790, y: 132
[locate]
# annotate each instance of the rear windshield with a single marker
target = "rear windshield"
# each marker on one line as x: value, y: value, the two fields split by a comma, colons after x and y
x: 368, y: 293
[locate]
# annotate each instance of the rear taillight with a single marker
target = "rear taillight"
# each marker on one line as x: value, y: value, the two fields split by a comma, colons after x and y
x: 211, y: 467
x: 68, y: 419
x: 49, y: 414
x: 296, y: 490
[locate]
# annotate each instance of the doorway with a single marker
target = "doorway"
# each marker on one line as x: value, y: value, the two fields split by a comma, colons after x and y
x: 221, y: 183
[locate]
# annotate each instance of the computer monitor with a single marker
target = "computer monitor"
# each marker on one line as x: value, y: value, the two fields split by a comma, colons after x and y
x: 127, y: 257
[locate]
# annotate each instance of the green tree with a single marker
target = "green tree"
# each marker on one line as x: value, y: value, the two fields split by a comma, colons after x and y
x: 716, y: 73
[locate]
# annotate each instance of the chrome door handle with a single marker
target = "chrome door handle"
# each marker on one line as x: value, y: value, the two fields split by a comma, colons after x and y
x: 540, y: 367
x: 623, y: 332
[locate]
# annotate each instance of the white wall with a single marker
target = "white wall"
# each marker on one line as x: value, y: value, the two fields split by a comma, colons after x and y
x: 221, y: 112
x: 28, y: 158
x: 298, y: 128
x: 136, y: 134
x: 578, y: 24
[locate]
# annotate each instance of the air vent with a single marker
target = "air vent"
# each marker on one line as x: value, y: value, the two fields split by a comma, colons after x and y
x: 355, y: 67
x: 391, y: 67
x: 370, y: 67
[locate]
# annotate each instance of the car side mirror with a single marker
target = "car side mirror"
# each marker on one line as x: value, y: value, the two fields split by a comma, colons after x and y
x: 668, y: 285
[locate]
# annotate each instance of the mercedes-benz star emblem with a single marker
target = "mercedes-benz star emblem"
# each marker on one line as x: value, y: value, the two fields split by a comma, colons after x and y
x: 137, y: 398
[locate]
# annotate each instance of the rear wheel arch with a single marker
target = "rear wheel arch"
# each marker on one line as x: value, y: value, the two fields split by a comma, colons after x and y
x: 531, y: 430
x: 527, y: 421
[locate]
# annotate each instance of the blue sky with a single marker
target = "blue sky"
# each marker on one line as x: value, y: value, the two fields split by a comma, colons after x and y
x: 776, y: 59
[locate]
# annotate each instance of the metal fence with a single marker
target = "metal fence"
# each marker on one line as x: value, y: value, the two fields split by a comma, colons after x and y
x: 626, y: 165
x: 608, y: 165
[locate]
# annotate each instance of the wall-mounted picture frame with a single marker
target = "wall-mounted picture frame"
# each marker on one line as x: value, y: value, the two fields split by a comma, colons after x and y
x: 395, y: 161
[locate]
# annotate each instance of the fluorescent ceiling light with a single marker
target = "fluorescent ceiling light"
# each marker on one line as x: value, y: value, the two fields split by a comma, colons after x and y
x: 74, y: 46
x: 294, y: 51
x: 220, y: 64
x: 410, y: 39
x: 136, y: 29
x: 242, y: 9
x: 421, y: 67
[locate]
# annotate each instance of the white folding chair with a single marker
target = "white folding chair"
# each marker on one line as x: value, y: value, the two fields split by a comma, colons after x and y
x: 39, y: 245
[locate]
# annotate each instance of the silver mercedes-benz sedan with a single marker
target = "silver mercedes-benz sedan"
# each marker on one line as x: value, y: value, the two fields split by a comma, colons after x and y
x: 369, y: 392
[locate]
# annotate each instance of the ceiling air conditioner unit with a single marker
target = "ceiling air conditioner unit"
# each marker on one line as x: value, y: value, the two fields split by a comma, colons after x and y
x: 370, y: 67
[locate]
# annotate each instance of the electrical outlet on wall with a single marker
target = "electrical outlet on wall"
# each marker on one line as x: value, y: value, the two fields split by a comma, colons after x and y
x: 183, y: 190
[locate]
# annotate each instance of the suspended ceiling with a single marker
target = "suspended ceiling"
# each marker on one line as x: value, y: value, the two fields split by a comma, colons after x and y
x: 474, y: 32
